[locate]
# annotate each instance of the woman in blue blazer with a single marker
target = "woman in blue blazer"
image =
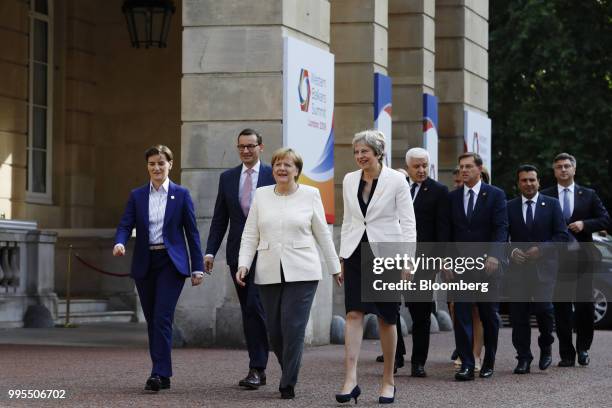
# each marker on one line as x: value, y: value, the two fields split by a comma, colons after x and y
x: 163, y: 215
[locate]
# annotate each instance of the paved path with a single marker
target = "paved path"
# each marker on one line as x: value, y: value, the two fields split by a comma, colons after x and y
x: 100, y: 367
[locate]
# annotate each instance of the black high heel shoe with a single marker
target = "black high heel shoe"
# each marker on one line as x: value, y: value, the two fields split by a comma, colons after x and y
x: 355, y: 393
x: 387, y: 400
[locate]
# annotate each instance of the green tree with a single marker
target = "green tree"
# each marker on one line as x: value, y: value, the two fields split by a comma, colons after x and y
x: 550, y: 88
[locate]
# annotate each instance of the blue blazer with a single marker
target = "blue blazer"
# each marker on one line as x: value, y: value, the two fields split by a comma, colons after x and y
x: 228, y: 211
x: 588, y: 208
x: 489, y: 221
x: 179, y: 223
x: 548, y: 227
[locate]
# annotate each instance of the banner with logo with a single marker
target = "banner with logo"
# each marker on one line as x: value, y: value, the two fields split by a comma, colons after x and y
x: 308, y: 114
x: 477, y: 136
x: 382, y: 111
x: 430, y: 132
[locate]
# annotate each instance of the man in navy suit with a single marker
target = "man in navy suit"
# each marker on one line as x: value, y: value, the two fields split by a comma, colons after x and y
x: 584, y: 214
x: 478, y: 214
x: 430, y: 200
x: 535, y: 223
x: 236, y: 191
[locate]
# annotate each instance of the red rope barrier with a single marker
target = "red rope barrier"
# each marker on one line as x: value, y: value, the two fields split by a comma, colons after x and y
x: 84, y: 262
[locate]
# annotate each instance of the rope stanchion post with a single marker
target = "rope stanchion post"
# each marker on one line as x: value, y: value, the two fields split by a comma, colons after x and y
x: 67, y: 323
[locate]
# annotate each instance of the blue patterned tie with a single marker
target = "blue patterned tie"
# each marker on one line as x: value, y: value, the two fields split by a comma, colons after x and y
x: 529, y: 216
x: 413, y: 189
x: 470, y: 207
x: 567, y: 212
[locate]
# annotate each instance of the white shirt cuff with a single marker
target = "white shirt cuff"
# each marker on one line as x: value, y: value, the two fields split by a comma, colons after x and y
x: 197, y: 274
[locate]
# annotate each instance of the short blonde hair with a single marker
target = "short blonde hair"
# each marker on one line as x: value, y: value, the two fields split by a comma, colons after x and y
x: 284, y: 152
x: 374, y: 139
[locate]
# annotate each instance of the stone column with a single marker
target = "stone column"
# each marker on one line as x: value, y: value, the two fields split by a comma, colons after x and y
x: 233, y: 79
x: 462, y: 41
x: 80, y: 102
x: 411, y: 66
x: 359, y: 43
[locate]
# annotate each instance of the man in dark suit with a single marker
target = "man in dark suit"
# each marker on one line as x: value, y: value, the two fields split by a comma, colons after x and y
x: 430, y: 200
x: 236, y: 191
x: 478, y: 214
x: 536, y: 222
x: 584, y: 214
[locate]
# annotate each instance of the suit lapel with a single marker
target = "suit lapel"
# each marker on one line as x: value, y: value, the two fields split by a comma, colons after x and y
x: 578, y: 199
x: 518, y: 211
x: 261, y: 175
x: 170, y: 203
x: 380, y: 187
x: 143, y: 203
x: 483, y: 194
x: 234, y: 188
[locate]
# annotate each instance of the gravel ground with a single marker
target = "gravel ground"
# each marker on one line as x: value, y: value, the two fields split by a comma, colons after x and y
x: 99, y: 367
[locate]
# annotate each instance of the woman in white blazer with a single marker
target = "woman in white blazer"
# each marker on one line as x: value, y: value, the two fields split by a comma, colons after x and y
x: 283, y: 226
x: 377, y: 208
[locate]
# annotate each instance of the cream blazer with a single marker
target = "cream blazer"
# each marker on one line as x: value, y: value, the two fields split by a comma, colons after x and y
x: 285, y: 229
x: 389, y: 218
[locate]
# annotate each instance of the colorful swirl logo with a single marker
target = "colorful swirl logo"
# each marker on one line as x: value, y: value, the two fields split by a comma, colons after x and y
x: 304, y: 90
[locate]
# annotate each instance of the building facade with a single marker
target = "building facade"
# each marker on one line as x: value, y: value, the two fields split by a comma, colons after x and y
x: 79, y: 105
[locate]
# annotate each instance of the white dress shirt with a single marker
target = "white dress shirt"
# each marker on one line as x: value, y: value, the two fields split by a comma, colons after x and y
x: 416, y: 189
x: 157, y: 210
x: 533, y: 206
x: 562, y: 196
x: 466, y: 195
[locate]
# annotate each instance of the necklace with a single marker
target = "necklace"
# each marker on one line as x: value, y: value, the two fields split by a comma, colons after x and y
x: 287, y: 193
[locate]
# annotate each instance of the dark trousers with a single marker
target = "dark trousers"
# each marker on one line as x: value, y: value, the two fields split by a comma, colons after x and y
x: 421, y: 323
x: 159, y: 292
x: 464, y: 332
x: 287, y: 307
x: 577, y: 315
x: 520, y: 313
x: 253, y: 320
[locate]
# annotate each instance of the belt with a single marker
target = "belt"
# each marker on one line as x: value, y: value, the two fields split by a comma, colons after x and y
x: 157, y: 247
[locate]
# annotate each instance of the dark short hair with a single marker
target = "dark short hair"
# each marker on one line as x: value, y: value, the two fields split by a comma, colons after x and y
x: 249, y: 132
x: 476, y: 156
x: 526, y: 167
x: 292, y: 154
x: 159, y: 149
x: 565, y: 156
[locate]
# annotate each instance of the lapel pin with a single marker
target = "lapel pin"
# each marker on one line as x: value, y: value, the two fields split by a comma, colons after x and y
x: 425, y: 189
x: 579, y: 192
x: 484, y: 193
x: 543, y: 204
x: 172, y: 197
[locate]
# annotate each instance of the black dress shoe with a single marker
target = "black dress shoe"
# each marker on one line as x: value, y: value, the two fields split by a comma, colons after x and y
x: 254, y: 379
x: 465, y: 374
x: 165, y: 383
x: 380, y: 359
x: 355, y: 393
x: 522, y: 367
x: 583, y: 358
x: 486, y: 372
x: 545, y: 359
x: 566, y: 362
x: 418, y: 370
x: 287, y: 392
x: 153, y: 383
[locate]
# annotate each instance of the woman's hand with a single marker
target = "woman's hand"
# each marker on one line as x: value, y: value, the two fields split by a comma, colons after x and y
x: 339, y: 278
x: 118, y: 250
x: 241, y: 274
